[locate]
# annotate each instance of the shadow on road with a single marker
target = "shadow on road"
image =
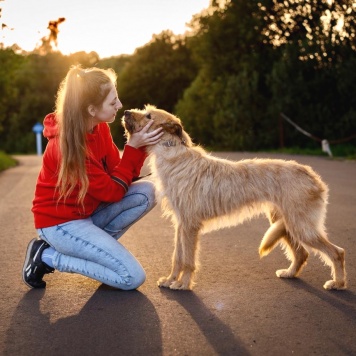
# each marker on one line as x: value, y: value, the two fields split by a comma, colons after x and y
x: 111, y: 322
x: 342, y: 300
x: 217, y: 333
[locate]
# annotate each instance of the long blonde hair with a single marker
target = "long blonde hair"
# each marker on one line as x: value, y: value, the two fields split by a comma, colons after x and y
x: 80, y: 89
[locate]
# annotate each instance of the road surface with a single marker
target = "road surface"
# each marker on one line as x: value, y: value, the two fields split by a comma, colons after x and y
x: 238, y: 307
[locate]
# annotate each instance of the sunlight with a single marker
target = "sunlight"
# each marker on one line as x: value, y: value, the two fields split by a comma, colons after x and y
x: 109, y: 28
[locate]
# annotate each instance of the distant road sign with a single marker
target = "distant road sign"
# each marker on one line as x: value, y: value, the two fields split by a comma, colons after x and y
x: 37, y: 128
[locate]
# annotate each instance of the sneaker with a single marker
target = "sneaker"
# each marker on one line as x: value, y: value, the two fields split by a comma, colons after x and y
x: 34, y: 269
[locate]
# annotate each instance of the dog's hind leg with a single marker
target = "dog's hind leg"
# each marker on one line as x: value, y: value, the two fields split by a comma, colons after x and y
x: 333, y: 256
x: 296, y: 253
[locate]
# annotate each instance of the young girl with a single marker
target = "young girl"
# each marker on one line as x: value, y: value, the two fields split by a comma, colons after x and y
x: 85, y: 199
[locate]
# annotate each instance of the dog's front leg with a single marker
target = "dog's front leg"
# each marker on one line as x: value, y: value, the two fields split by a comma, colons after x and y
x: 176, y: 261
x: 187, y: 260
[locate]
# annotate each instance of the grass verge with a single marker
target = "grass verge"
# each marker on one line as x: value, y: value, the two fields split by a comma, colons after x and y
x: 338, y: 151
x: 6, y: 161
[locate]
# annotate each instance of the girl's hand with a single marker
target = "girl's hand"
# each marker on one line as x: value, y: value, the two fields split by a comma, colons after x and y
x: 144, y: 138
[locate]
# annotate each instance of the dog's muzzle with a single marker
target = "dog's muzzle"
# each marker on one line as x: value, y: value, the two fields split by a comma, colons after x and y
x: 127, y: 121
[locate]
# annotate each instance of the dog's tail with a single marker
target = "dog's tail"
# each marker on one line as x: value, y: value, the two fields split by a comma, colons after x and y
x: 275, y: 232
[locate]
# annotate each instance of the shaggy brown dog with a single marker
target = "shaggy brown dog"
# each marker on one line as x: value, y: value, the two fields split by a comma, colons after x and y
x: 202, y: 193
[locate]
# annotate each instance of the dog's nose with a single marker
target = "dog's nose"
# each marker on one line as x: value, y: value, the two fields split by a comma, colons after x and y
x: 127, y: 114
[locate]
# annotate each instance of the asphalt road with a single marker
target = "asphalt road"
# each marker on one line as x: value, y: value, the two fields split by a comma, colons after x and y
x: 238, y: 307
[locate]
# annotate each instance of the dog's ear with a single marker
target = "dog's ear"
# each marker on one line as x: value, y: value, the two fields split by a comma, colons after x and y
x: 173, y: 128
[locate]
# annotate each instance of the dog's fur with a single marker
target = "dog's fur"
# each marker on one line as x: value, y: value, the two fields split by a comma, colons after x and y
x: 202, y: 193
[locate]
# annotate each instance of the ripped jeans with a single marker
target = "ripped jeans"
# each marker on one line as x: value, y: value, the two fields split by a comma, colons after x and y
x: 90, y: 247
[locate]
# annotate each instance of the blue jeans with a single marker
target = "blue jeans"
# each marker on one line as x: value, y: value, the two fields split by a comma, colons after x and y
x: 90, y: 247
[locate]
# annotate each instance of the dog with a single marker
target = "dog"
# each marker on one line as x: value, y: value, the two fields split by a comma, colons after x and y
x: 202, y: 193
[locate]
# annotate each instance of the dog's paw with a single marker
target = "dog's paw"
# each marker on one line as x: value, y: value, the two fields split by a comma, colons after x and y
x: 335, y: 285
x: 178, y: 285
x: 164, y: 282
x: 284, y: 273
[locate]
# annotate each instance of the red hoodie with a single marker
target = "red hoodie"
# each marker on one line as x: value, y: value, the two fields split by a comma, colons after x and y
x: 109, y: 176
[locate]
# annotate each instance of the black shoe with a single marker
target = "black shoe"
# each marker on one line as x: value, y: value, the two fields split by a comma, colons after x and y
x: 34, y: 269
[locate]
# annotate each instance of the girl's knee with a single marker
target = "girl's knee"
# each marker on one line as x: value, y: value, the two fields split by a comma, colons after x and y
x: 149, y: 190
x: 136, y: 280
x: 152, y: 192
x: 145, y: 187
x: 139, y: 279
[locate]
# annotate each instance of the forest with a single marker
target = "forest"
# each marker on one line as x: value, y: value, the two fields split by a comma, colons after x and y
x: 243, y: 68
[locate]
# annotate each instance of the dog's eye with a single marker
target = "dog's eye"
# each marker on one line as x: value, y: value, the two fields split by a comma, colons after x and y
x: 148, y: 116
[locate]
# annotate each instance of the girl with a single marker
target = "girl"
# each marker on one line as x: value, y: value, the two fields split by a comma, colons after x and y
x: 84, y: 200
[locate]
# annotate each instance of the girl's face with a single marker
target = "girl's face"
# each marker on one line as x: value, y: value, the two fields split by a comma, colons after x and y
x: 108, y: 110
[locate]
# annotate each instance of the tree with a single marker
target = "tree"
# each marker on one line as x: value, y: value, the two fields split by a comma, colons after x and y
x: 157, y: 73
x: 117, y: 63
x: 315, y: 70
x: 227, y: 47
x: 10, y: 63
x: 30, y: 83
x: 261, y: 58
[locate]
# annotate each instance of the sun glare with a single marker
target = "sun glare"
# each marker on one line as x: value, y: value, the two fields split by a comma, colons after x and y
x: 109, y: 27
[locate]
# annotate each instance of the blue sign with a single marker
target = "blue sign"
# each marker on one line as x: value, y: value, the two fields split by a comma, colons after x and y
x: 37, y: 128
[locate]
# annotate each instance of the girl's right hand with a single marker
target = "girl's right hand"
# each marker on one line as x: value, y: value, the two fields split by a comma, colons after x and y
x: 144, y: 138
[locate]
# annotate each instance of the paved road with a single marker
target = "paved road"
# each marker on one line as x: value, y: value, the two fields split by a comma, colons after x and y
x: 239, y: 306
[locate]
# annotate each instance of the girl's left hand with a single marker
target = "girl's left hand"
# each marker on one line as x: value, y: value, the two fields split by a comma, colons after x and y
x: 145, y: 138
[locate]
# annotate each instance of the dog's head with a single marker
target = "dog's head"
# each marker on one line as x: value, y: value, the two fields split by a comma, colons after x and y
x: 173, y: 133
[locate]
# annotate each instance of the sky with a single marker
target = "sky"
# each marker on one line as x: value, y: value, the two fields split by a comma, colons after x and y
x: 108, y: 27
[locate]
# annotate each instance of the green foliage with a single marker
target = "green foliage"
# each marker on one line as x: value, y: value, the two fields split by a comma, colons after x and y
x: 228, y: 79
x: 6, y: 161
x: 196, y: 109
x: 29, y: 85
x: 231, y: 80
x: 157, y: 74
x: 263, y: 58
x: 10, y: 63
x: 338, y: 151
x: 117, y: 63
